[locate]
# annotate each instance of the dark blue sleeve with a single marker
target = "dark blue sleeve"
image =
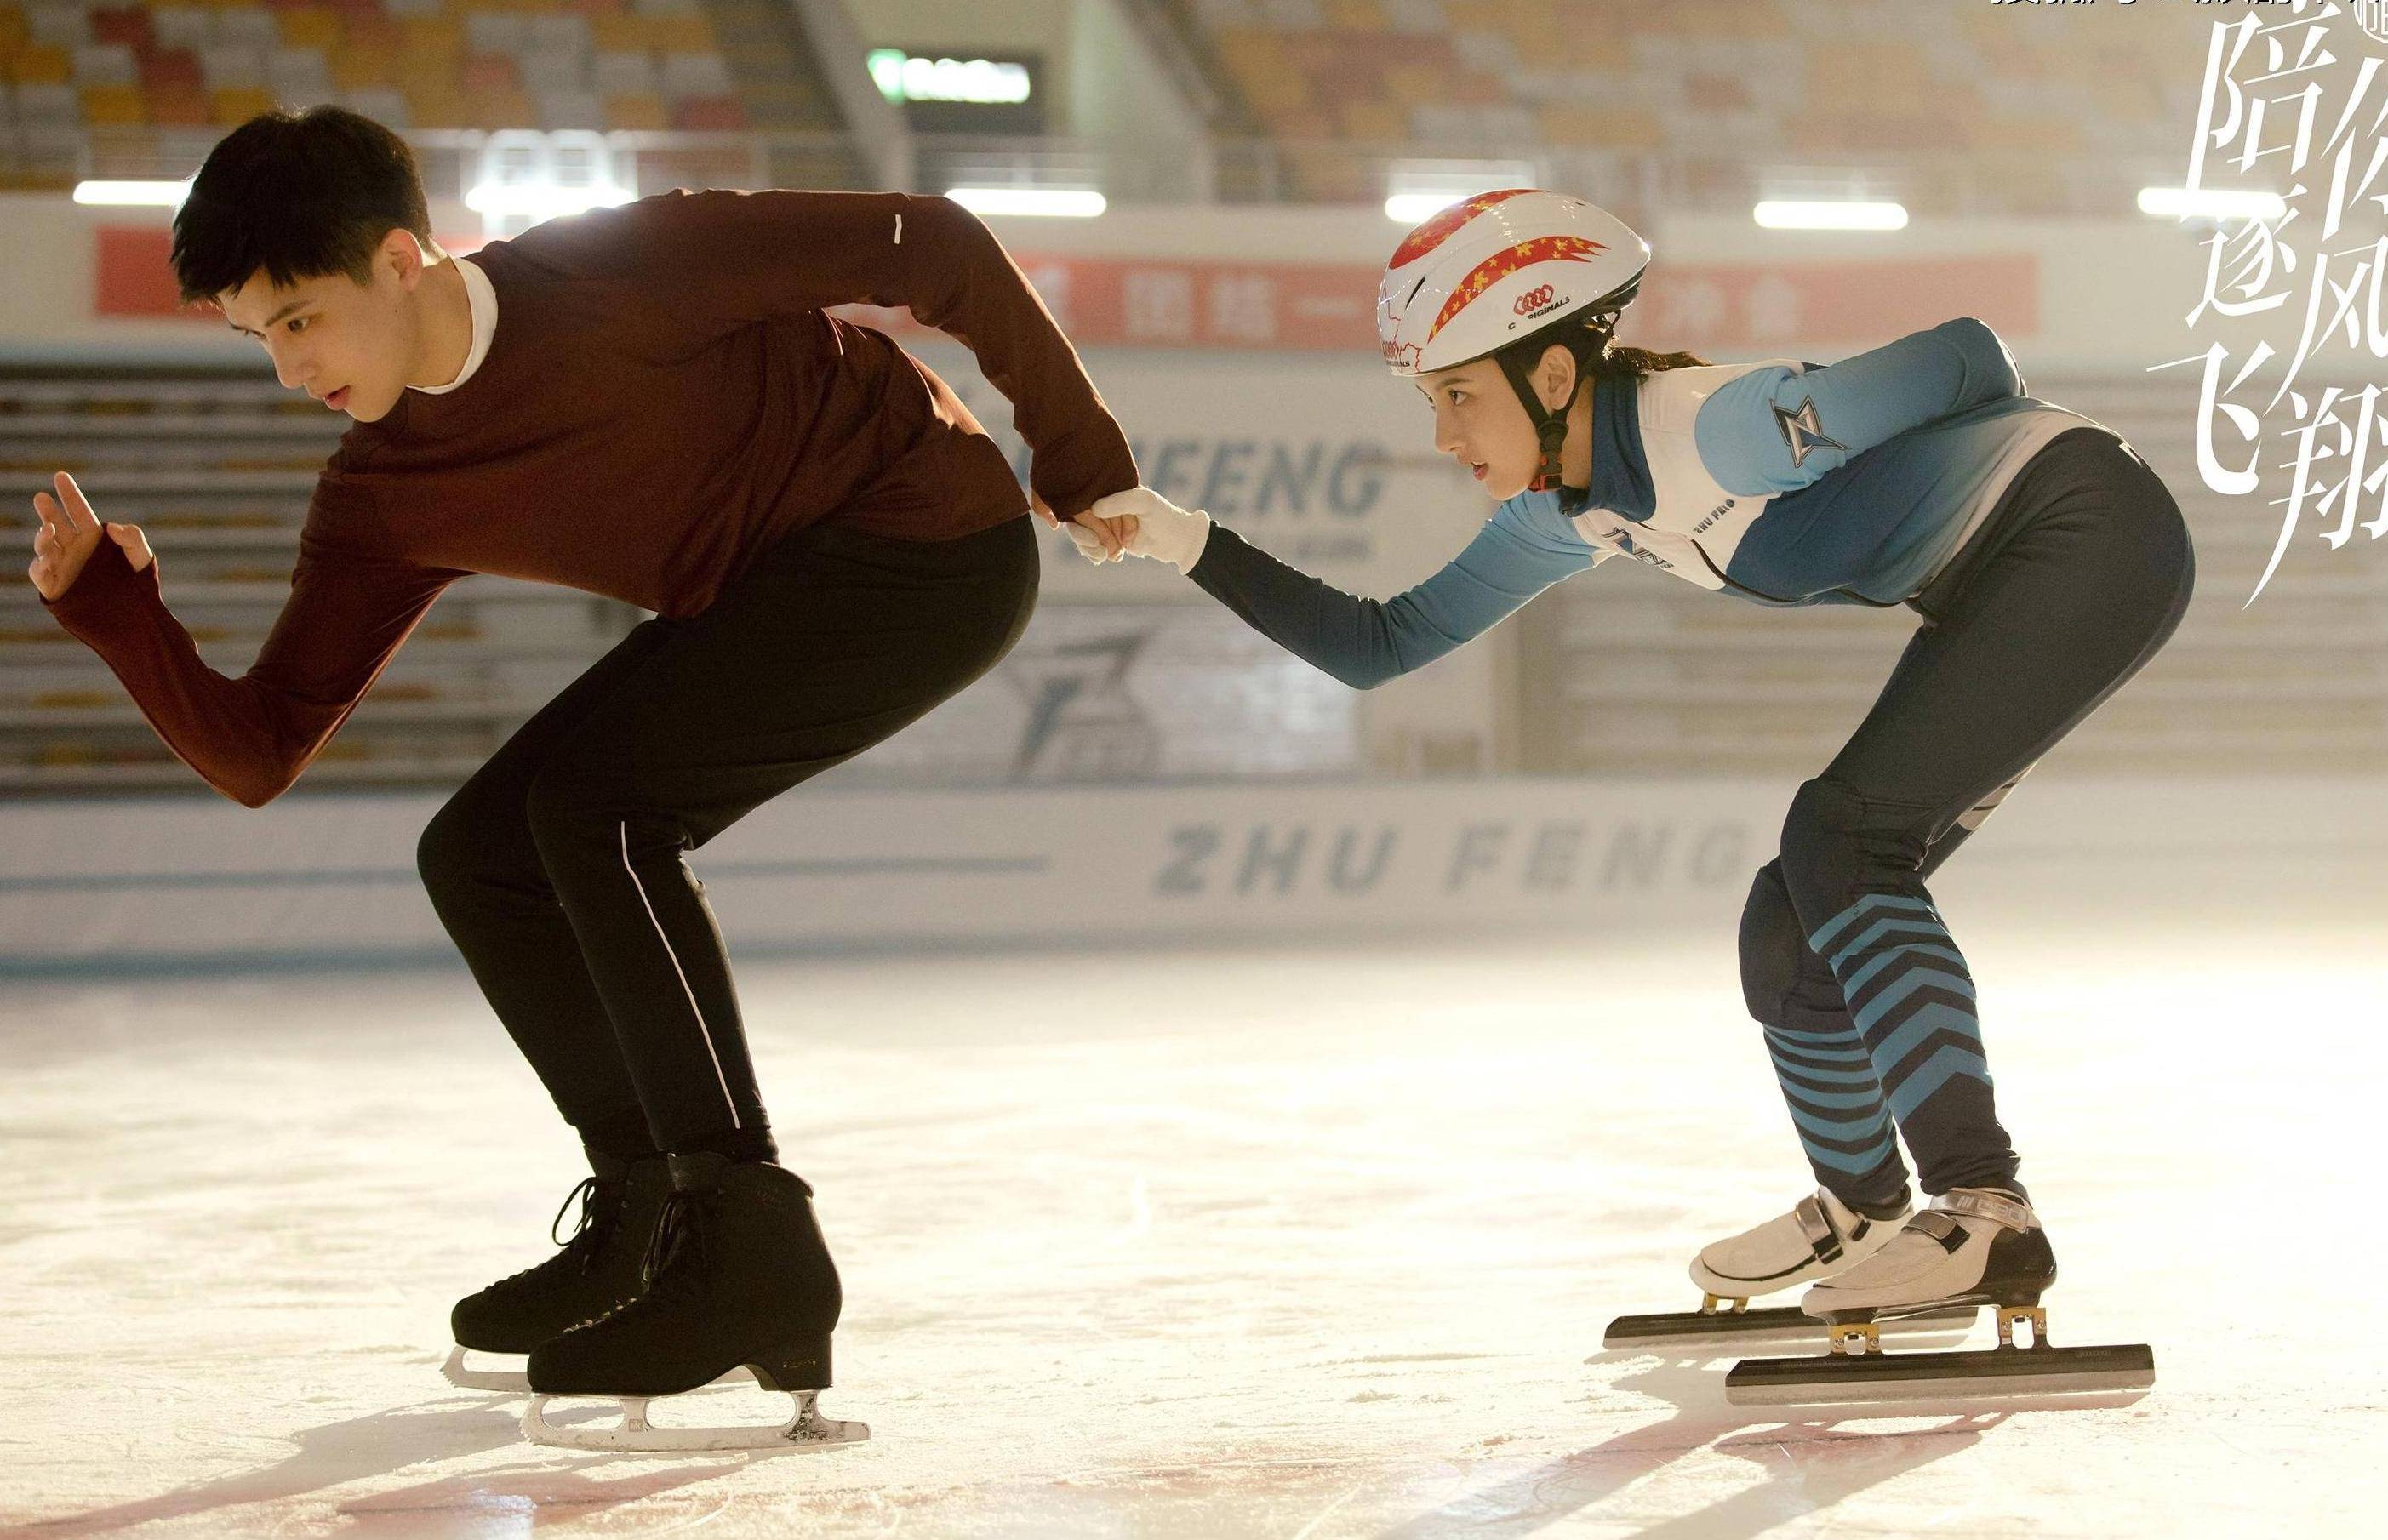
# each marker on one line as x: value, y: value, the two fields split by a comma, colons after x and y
x: 1525, y: 548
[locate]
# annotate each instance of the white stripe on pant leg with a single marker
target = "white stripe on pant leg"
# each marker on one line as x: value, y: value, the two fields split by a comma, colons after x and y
x: 695, y: 1009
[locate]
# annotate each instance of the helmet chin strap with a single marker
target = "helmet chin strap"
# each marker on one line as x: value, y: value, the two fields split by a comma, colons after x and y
x: 1550, y: 427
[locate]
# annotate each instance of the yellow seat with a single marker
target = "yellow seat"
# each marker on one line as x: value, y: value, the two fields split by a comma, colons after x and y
x: 355, y: 69
x: 1377, y: 122
x: 1479, y: 16
x: 618, y: 34
x: 236, y: 104
x: 114, y: 106
x: 309, y: 27
x: 438, y: 104
x: 680, y: 33
x: 42, y: 64
x: 432, y: 37
x: 1571, y: 123
x: 1416, y: 85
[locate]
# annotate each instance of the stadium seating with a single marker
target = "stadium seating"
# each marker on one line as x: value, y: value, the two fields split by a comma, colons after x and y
x: 424, y: 64
x: 1856, y: 78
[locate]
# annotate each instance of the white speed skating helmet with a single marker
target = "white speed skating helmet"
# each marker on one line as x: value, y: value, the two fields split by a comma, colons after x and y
x: 1497, y: 269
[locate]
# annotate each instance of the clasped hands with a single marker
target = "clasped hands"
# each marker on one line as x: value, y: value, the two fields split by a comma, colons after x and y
x: 1140, y: 522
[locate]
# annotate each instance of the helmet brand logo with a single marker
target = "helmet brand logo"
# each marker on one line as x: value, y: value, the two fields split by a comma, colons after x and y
x: 1534, y: 299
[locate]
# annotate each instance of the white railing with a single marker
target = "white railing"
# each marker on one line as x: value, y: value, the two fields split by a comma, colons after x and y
x: 1221, y: 169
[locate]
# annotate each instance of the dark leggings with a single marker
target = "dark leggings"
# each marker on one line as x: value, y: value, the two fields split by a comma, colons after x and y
x: 558, y: 867
x: 2079, y: 574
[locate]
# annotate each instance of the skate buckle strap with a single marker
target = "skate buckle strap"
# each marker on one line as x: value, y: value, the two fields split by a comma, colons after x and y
x: 1821, y: 1236
x: 1994, y: 1206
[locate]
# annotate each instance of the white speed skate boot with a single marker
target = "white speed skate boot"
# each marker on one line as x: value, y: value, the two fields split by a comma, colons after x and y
x: 1973, y: 1246
x: 1820, y: 1236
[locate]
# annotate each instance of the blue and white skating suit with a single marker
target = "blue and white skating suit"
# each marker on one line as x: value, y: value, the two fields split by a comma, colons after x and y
x: 1781, y: 482
x: 1790, y: 483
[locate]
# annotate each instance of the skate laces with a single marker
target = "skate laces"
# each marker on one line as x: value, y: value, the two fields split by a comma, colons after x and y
x: 677, y: 1249
x: 587, y: 1194
x: 597, y: 1217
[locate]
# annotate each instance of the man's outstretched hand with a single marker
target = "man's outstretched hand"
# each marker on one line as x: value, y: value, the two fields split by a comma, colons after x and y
x: 69, y: 533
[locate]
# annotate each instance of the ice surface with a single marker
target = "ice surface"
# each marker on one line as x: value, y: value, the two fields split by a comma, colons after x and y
x: 1263, y: 1244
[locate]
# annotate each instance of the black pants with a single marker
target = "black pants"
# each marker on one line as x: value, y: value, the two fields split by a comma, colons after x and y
x: 2079, y: 574
x: 558, y: 867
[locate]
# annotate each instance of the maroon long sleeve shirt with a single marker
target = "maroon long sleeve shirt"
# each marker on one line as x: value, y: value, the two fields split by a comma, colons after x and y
x: 661, y: 401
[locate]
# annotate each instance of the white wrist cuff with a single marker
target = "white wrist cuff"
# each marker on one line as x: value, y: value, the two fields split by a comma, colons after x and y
x: 1182, y: 542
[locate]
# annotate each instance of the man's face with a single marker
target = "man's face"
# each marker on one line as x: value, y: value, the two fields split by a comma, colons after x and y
x: 346, y: 344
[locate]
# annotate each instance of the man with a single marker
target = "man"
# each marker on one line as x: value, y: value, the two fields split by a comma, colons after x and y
x: 648, y: 403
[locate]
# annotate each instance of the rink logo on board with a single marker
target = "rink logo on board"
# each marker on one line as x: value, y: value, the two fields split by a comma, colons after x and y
x: 1083, y: 725
x: 1246, y: 478
x: 1528, y: 856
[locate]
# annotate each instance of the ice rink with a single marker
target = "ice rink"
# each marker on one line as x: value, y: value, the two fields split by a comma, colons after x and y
x: 1267, y: 1243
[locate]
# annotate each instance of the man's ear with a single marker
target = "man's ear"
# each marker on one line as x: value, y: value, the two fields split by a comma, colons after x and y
x: 1554, y: 378
x: 403, y: 256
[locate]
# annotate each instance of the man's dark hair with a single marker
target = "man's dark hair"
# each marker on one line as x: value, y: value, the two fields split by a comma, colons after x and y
x: 299, y: 194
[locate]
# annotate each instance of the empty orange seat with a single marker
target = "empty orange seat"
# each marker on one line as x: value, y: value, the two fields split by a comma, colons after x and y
x: 180, y: 107
x: 361, y: 69
x: 680, y: 32
x: 309, y: 27
x: 237, y: 105
x: 112, y: 106
x: 432, y: 37
x: 636, y: 112
x: 372, y: 34
x: 169, y: 68
x: 618, y: 33
x: 42, y: 64
x: 1379, y: 122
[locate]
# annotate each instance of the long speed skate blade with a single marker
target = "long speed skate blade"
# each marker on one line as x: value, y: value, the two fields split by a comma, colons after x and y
x: 1784, y: 1324
x: 457, y: 1372
x: 1834, y: 1377
x: 808, y: 1429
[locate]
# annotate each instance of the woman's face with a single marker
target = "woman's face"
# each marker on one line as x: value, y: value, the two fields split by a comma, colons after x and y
x: 1479, y: 421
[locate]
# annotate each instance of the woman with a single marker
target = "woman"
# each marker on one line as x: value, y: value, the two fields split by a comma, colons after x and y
x: 2047, y: 559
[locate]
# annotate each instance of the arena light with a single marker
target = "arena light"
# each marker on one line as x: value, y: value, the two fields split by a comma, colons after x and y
x: 1833, y: 214
x: 903, y: 77
x: 2210, y: 203
x: 1068, y: 203
x: 1406, y: 208
x: 542, y: 200
x: 132, y: 195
